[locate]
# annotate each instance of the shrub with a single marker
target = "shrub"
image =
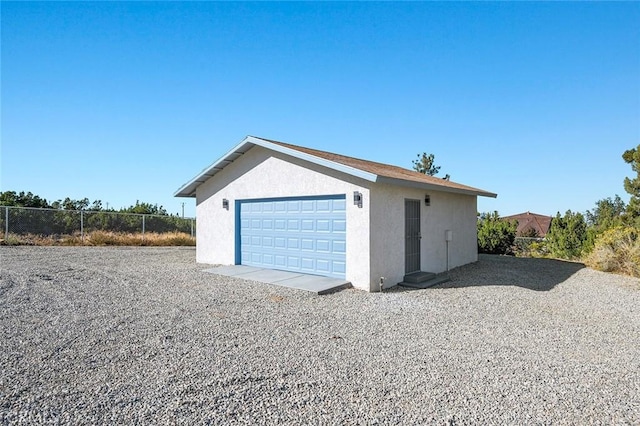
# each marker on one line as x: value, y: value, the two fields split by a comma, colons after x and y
x: 617, y: 250
x: 12, y: 240
x: 538, y: 249
x: 495, y: 236
x: 104, y: 238
x: 567, y: 236
x: 529, y: 247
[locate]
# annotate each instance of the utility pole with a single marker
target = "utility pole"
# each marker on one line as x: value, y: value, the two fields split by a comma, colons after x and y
x: 183, y: 210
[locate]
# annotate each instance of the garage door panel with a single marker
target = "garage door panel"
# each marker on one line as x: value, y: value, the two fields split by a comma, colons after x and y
x: 338, y: 247
x: 323, y: 265
x: 323, y: 225
x: 293, y: 262
x: 323, y: 246
x: 323, y: 206
x: 306, y: 244
x: 339, y: 267
x: 304, y: 235
x: 307, y: 263
x: 339, y: 225
x: 293, y: 206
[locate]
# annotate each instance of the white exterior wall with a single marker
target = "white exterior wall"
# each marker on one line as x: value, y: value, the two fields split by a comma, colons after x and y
x: 455, y: 212
x: 262, y: 173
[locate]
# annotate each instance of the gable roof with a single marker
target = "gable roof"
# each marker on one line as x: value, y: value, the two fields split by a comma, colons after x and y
x: 527, y: 220
x: 368, y: 170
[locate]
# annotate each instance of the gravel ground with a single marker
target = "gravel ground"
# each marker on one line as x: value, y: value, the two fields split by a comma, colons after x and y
x: 95, y: 335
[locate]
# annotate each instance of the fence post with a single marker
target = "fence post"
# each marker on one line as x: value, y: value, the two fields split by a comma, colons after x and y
x: 143, y: 216
x: 191, y: 228
x: 6, y: 223
x: 82, y: 226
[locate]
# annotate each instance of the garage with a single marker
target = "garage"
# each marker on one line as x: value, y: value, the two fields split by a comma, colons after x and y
x: 269, y: 205
x: 298, y: 234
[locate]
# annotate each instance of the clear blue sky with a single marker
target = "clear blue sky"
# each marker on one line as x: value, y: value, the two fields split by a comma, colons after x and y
x: 128, y: 101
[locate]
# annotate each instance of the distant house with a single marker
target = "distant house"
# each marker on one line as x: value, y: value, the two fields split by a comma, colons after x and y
x: 531, y: 224
x: 270, y: 204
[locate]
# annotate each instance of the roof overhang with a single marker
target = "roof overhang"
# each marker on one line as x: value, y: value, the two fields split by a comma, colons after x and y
x: 189, y: 188
x: 433, y: 187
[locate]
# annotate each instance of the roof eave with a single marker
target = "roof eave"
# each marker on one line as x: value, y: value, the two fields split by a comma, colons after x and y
x: 188, y: 190
x: 316, y: 160
x: 435, y: 187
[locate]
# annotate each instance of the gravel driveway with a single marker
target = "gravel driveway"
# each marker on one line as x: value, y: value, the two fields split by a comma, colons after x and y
x: 93, y: 335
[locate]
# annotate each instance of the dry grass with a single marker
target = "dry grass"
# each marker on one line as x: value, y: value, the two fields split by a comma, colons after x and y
x: 104, y: 238
x: 618, y: 251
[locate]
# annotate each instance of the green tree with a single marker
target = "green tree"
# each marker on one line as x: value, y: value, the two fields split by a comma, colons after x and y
x: 22, y: 199
x: 96, y: 206
x: 425, y: 164
x: 632, y: 186
x: 607, y: 213
x: 69, y: 204
x: 567, y: 235
x: 495, y: 235
x: 145, y: 208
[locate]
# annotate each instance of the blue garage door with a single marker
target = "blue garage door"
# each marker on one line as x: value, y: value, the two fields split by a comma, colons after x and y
x: 306, y: 235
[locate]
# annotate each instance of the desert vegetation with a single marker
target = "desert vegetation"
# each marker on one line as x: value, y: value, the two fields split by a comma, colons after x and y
x: 104, y: 238
x: 32, y: 220
x: 604, y: 238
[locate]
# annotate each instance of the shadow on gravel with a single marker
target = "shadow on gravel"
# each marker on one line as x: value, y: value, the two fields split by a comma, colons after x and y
x: 494, y: 270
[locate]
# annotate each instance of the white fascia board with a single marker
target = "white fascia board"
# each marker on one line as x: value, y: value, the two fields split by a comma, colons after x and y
x: 433, y: 187
x: 189, y: 189
x: 313, y: 159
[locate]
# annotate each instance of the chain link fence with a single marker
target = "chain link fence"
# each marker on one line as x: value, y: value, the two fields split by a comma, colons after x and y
x: 52, y: 223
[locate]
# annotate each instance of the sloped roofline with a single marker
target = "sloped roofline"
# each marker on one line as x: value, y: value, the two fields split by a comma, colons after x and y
x: 526, y: 214
x: 367, y: 170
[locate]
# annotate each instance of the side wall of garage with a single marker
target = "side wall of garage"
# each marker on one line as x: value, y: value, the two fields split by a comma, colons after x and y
x: 261, y: 173
x: 447, y: 211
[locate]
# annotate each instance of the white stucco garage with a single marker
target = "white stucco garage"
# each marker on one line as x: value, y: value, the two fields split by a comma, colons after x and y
x: 275, y: 205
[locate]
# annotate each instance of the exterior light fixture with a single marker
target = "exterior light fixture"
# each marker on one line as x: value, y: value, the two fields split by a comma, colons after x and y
x: 225, y: 204
x: 427, y: 200
x: 357, y: 198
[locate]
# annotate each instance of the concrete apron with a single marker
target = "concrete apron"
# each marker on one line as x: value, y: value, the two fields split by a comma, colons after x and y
x: 312, y: 283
